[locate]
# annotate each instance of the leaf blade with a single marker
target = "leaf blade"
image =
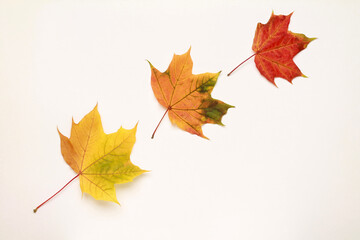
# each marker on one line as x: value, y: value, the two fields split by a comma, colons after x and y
x: 183, y: 94
x: 100, y: 159
x: 275, y: 47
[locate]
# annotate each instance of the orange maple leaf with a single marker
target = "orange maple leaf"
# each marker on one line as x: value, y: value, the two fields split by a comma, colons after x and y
x: 275, y: 48
x: 187, y: 97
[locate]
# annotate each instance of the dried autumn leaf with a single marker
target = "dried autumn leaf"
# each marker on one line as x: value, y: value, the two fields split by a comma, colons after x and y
x: 187, y: 97
x: 100, y: 160
x: 275, y: 47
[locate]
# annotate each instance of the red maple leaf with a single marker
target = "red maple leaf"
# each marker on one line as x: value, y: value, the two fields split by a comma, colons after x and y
x: 275, y: 48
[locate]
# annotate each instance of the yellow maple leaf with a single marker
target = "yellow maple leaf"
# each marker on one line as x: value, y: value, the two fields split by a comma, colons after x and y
x: 100, y: 160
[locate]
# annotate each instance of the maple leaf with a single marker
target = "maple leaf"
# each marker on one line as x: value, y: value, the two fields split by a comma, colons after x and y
x: 275, y: 47
x: 187, y: 97
x: 100, y: 160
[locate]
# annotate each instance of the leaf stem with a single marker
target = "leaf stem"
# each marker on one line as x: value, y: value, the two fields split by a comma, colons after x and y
x: 241, y: 64
x: 56, y: 193
x: 169, y: 108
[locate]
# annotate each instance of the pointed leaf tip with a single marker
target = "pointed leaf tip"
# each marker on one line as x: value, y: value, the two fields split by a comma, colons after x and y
x: 151, y: 66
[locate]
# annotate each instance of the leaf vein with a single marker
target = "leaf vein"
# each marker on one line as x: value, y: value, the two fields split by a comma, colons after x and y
x: 102, y: 157
x: 100, y: 188
x: 186, y: 122
x: 182, y: 69
x: 87, y: 141
x: 203, y: 83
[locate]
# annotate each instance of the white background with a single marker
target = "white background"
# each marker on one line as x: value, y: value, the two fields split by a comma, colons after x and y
x: 286, y: 166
